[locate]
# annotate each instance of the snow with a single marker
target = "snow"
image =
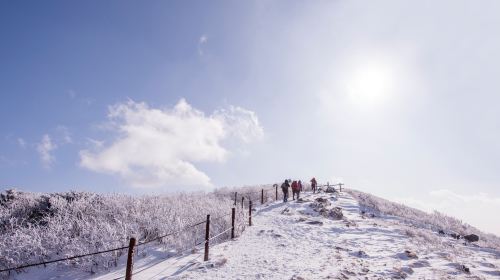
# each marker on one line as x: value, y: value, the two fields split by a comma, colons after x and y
x: 292, y: 241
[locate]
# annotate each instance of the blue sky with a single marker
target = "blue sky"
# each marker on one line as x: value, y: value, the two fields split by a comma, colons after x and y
x: 397, y: 99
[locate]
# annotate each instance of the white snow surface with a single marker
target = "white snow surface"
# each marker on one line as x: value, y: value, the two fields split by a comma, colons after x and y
x: 292, y: 241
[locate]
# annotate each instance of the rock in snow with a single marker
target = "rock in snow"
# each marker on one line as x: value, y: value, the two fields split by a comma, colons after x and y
x: 330, y: 190
x: 471, y: 238
x: 411, y: 254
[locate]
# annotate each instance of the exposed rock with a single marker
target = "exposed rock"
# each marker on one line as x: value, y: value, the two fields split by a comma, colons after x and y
x: 320, y: 203
x: 471, y: 238
x: 319, y: 223
x: 286, y: 211
x: 348, y: 223
x: 464, y: 268
x: 441, y: 232
x: 347, y: 271
x: 407, y: 270
x: 406, y: 255
x: 454, y: 235
x: 411, y: 255
x: 330, y: 190
x: 335, y: 213
x: 420, y: 264
x: 362, y: 254
x: 399, y: 274
x: 323, y: 201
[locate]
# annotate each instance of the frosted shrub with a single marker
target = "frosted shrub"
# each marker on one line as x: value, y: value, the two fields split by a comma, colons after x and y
x: 252, y: 193
x: 40, y: 227
x: 433, y: 221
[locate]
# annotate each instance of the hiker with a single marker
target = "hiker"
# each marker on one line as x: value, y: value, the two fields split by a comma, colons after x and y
x: 295, y: 190
x: 284, y: 188
x: 313, y: 184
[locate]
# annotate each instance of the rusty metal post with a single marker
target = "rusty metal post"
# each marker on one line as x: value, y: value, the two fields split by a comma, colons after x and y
x: 262, y: 196
x: 233, y: 216
x: 235, y: 197
x: 250, y: 213
x: 207, y: 237
x: 242, y: 200
x: 130, y: 259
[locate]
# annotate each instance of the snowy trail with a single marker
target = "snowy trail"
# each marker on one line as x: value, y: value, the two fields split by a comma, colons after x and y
x: 292, y: 241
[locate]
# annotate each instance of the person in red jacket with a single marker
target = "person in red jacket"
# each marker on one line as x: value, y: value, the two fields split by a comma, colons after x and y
x: 295, y: 190
x: 313, y: 184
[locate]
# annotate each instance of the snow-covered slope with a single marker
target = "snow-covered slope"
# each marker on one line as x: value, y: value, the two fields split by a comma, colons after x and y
x: 293, y: 241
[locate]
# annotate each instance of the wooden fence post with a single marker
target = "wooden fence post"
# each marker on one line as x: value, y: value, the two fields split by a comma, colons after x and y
x: 233, y: 215
x: 250, y: 213
x: 262, y: 196
x: 340, y: 185
x: 207, y: 237
x: 276, y: 186
x: 130, y: 259
x: 235, y: 197
x: 242, y: 200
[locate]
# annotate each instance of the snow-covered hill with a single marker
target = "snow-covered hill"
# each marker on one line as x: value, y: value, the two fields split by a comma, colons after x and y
x: 310, y: 239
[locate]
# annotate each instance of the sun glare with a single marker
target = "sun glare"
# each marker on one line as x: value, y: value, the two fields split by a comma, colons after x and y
x: 370, y: 83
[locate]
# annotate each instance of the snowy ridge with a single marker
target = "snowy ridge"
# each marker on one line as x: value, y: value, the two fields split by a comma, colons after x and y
x: 293, y: 241
x: 415, y: 218
x: 309, y: 240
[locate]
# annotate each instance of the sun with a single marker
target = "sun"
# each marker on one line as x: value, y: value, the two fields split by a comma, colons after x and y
x: 370, y: 82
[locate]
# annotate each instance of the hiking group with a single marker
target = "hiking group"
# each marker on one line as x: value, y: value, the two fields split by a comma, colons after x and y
x: 296, y: 188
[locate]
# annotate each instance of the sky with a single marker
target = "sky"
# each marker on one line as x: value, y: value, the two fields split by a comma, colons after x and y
x: 395, y: 98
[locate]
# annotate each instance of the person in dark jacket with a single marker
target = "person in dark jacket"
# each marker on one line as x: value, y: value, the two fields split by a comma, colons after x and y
x: 284, y: 187
x: 313, y: 184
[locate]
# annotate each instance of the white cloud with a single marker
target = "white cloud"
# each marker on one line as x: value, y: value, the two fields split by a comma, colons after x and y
x: 44, y: 148
x: 202, y: 41
x: 475, y: 208
x: 64, y: 134
x: 158, y: 147
x: 95, y: 143
x: 80, y: 99
x: 21, y: 142
x: 241, y: 123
